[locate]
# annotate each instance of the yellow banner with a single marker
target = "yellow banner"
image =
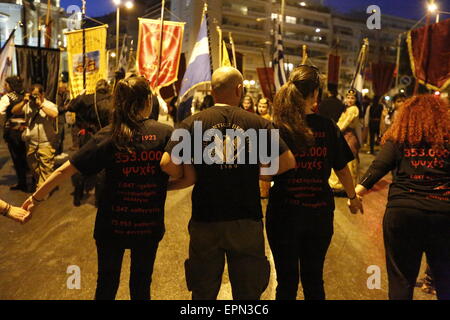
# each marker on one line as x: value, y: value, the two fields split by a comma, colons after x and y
x: 96, y: 59
x: 225, y: 57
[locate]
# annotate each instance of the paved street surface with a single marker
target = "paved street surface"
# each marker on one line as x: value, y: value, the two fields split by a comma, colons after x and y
x: 34, y: 257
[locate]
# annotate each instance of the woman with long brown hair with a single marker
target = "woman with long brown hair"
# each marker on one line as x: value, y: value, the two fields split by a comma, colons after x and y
x: 301, y: 203
x: 417, y: 218
x: 131, y: 205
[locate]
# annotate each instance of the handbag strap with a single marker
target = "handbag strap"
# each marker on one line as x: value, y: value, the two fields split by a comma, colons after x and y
x: 96, y: 111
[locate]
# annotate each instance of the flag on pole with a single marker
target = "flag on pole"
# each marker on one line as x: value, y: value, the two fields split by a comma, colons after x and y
x: 225, y: 57
x: 148, y: 51
x: 431, y: 67
x: 96, y: 65
x: 334, y: 63
x: 124, y: 54
x: 265, y: 76
x: 6, y: 59
x: 199, y: 67
x: 358, y: 78
x: 278, y: 60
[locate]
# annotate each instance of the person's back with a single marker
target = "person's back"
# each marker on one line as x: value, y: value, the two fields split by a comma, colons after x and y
x: 133, y: 177
x: 306, y: 188
x: 86, y: 113
x: 331, y: 108
x: 417, y: 217
x: 226, y: 210
x: 237, y: 183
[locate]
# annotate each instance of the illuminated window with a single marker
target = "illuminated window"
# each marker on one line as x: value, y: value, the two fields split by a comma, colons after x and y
x: 290, y: 19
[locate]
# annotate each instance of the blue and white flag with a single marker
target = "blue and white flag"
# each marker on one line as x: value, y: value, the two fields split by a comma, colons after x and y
x: 358, y: 78
x: 6, y: 60
x: 278, y: 61
x: 198, y: 70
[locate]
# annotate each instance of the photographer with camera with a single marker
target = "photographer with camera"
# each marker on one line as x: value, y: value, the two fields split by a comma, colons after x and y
x: 40, y: 135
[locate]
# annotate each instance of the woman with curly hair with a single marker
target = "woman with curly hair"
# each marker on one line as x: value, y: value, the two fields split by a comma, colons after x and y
x: 417, y: 217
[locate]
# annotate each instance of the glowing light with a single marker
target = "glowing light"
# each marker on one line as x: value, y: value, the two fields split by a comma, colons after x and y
x: 113, y: 54
x: 117, y: 2
x: 432, y: 7
x: 402, y: 90
x: 437, y: 93
x: 387, y: 98
x: 129, y: 5
x: 318, y: 30
x: 246, y: 82
x: 303, y: 4
x: 365, y: 91
x: 252, y: 82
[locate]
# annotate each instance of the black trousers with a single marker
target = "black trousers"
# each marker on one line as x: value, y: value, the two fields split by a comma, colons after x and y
x: 18, y: 151
x: 241, y: 242
x: 110, y: 258
x: 408, y: 233
x: 300, y: 241
x: 374, y: 132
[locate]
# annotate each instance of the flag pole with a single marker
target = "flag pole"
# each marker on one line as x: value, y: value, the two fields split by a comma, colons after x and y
x: 233, y: 50
x: 48, y: 28
x: 304, y: 54
x: 397, y: 62
x: 161, y: 35
x: 83, y: 12
x: 361, y: 58
x: 219, y: 31
x: 205, y: 13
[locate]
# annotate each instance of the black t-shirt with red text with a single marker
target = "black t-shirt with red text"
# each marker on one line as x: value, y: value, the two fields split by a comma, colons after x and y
x: 421, y: 176
x: 131, y: 206
x: 306, y: 188
x: 226, y: 192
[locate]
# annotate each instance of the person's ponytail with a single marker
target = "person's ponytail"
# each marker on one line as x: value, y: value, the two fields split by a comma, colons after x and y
x: 130, y: 97
x: 289, y: 115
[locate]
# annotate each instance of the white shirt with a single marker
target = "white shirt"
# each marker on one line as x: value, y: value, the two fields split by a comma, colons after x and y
x: 42, y: 128
x: 4, y: 104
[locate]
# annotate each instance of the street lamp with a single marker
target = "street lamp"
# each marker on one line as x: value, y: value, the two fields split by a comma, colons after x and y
x: 128, y: 5
x: 432, y: 8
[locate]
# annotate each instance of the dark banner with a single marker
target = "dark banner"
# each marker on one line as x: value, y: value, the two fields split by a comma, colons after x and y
x: 266, y: 80
x: 168, y: 92
x: 39, y: 65
x: 239, y: 60
x: 429, y: 49
x: 382, y: 76
x: 334, y: 63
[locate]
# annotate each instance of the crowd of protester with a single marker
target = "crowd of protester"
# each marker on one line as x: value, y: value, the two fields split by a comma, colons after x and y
x: 117, y: 131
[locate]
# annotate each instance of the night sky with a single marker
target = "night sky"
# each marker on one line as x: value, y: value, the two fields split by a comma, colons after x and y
x: 413, y: 9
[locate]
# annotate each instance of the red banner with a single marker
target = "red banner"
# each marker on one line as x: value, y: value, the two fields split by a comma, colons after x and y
x: 148, y: 51
x: 382, y: 73
x: 266, y: 80
x: 429, y: 52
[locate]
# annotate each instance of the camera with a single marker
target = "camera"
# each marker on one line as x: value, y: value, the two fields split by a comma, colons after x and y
x: 33, y: 98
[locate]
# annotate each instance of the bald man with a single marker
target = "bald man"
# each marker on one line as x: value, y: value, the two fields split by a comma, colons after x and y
x: 226, y: 208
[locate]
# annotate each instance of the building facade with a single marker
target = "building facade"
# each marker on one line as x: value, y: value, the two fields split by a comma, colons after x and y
x: 252, y: 24
x: 14, y: 13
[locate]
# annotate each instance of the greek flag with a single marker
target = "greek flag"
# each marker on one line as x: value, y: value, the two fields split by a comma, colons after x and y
x: 198, y: 70
x: 358, y: 78
x: 278, y: 61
